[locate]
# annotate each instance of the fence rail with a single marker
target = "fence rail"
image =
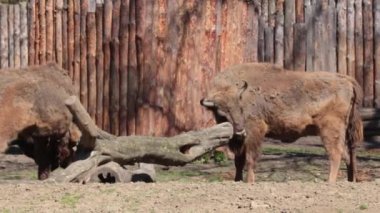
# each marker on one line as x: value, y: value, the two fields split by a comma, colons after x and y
x: 141, y: 66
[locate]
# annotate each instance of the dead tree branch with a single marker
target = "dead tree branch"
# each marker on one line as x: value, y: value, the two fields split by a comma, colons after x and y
x: 104, y: 147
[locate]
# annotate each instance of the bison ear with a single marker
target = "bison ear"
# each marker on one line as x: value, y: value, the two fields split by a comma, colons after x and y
x: 242, y: 89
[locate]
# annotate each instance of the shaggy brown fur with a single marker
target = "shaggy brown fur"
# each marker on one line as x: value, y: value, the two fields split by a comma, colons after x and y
x: 33, y: 115
x: 264, y: 100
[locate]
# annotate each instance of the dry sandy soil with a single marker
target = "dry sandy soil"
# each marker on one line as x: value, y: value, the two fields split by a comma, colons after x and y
x: 290, y: 178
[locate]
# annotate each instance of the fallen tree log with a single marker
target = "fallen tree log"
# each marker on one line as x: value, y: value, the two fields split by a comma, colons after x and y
x: 371, y: 125
x: 370, y: 113
x: 99, y: 147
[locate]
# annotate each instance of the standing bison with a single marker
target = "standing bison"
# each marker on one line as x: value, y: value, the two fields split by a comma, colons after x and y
x: 263, y: 100
x: 33, y: 115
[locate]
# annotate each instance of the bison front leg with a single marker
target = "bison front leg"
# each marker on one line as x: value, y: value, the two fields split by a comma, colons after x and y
x: 42, y: 157
x: 236, y: 144
x: 256, y: 130
x: 332, y: 132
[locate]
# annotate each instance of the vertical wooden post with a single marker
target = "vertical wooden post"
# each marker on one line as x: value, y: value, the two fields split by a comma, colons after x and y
x: 359, y: 42
x: 252, y: 35
x: 42, y: 31
x: 11, y: 35
x: 279, y: 33
x: 31, y: 32
x: 325, y: 47
x: 289, y: 34
x: 318, y: 34
x: 341, y: 8
x: 368, y: 75
x: 377, y: 51
x: 350, y: 39
x: 252, y: 40
x: 107, y: 62
x: 299, y: 50
x: 99, y: 63
x: 16, y: 24
x: 269, y: 32
x: 160, y: 31
x: 37, y: 33
x: 55, y: 30
x: 266, y: 30
x: 124, y: 39
x: 300, y: 14
x: 309, y: 22
x: 64, y: 13
x: 23, y: 34
x: 83, y: 55
x: 132, y: 70
x: 114, y: 71
x: 144, y: 14
x: 331, y: 44
x: 70, y: 37
x: 58, y: 32
x: 300, y: 37
x: 264, y: 12
x: 49, y: 30
x: 76, y: 44
x: 91, y: 67
x: 4, y: 36
x: 261, y: 32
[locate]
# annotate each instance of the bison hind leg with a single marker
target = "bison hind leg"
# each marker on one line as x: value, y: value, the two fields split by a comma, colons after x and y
x: 349, y: 158
x: 332, y: 133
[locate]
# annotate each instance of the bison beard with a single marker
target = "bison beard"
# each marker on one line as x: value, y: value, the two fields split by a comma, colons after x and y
x: 263, y: 100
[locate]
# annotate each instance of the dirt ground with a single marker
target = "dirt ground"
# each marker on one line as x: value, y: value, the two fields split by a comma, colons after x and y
x: 290, y: 178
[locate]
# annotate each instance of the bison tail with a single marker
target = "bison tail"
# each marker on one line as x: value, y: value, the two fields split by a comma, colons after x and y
x: 354, y: 133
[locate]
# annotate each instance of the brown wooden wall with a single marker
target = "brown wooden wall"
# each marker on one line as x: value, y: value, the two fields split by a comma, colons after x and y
x: 141, y: 66
x: 13, y: 35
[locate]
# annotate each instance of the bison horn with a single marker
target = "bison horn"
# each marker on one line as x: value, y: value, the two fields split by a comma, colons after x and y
x: 242, y: 133
x: 242, y: 89
x: 207, y: 103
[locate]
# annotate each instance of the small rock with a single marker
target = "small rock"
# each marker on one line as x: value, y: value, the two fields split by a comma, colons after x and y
x: 255, y: 205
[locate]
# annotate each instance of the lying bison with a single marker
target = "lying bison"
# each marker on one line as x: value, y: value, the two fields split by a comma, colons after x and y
x: 264, y: 100
x: 33, y: 115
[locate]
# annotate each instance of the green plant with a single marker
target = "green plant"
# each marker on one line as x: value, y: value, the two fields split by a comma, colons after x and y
x: 219, y: 157
x: 5, y: 211
x: 29, y: 174
x: 205, y: 159
x: 363, y: 207
x: 109, y: 191
x: 12, y: 1
x: 215, y: 178
x: 70, y: 200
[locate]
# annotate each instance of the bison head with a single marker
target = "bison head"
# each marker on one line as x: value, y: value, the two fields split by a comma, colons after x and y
x: 224, y: 100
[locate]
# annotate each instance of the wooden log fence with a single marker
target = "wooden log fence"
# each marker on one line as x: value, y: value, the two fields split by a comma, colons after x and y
x: 371, y: 124
x: 14, y: 35
x: 140, y: 67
